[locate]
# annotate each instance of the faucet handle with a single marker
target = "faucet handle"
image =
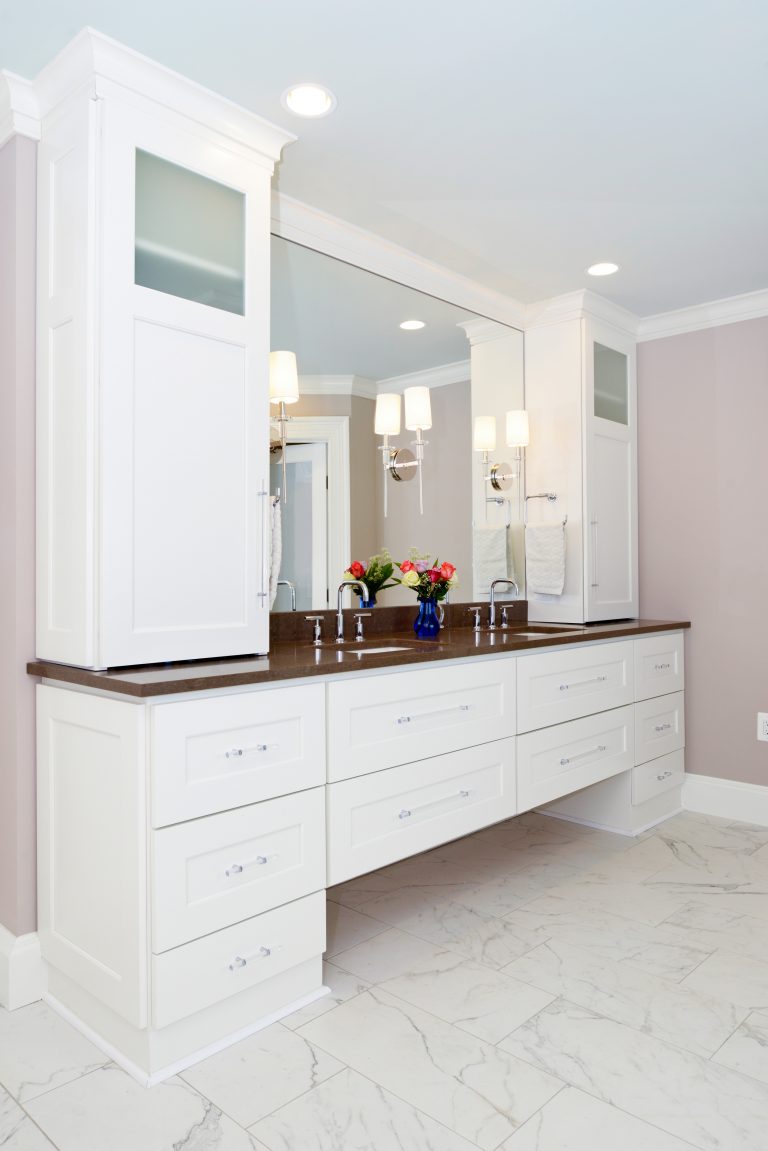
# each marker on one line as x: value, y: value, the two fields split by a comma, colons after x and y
x: 476, y: 620
x: 317, y: 631
x: 504, y: 616
x: 359, y: 617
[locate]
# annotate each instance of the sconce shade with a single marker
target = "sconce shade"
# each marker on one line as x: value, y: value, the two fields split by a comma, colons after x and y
x: 283, y: 378
x: 418, y: 410
x: 485, y: 434
x: 518, y: 435
x: 387, y: 417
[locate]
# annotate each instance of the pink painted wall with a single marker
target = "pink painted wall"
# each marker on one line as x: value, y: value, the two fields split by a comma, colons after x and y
x: 18, y: 911
x: 703, y: 464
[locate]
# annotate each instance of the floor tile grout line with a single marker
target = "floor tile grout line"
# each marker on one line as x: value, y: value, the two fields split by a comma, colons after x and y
x: 289, y: 1102
x: 85, y: 1075
x: 35, y: 1123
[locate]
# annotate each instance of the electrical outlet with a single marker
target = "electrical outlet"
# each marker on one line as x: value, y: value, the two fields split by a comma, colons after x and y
x: 762, y: 725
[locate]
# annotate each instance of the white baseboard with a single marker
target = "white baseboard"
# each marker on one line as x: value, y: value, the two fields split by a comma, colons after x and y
x: 727, y: 798
x: 22, y: 976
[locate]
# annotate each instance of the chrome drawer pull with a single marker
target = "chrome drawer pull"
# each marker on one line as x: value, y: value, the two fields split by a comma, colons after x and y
x: 241, y: 961
x: 664, y: 775
x: 582, y: 755
x: 661, y: 667
x: 429, y: 714
x: 407, y: 812
x: 662, y: 727
x: 239, y: 752
x: 583, y: 682
x: 257, y: 861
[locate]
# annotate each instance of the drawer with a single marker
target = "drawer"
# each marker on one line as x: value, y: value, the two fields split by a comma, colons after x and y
x: 557, y: 686
x: 650, y: 779
x: 212, y: 872
x: 211, y: 754
x: 380, y: 722
x: 199, y: 974
x: 562, y: 759
x: 377, y: 819
x: 659, y: 665
x: 659, y: 726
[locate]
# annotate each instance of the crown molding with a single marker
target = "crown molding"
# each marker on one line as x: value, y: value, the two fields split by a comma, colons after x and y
x: 314, y: 228
x: 337, y: 385
x: 439, y: 377
x: 577, y: 305
x: 19, y: 110
x: 731, y: 310
x: 484, y: 331
x: 99, y: 61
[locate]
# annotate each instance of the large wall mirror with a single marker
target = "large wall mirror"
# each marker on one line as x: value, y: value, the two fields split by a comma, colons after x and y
x: 344, y: 325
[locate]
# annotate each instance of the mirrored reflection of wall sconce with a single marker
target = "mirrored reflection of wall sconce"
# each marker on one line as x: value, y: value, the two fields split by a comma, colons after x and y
x: 283, y: 389
x: 401, y: 463
x: 501, y: 476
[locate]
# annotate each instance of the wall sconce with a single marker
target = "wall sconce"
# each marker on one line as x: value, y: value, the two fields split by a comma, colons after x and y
x: 501, y: 476
x: 283, y: 389
x: 401, y: 463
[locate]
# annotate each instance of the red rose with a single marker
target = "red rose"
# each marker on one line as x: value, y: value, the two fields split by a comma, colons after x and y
x: 434, y: 574
x: 356, y: 570
x: 447, y: 570
x: 406, y: 566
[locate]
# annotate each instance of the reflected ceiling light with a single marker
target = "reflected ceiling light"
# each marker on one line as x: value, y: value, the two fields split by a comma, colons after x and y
x: 312, y: 100
x: 412, y: 325
x: 604, y: 269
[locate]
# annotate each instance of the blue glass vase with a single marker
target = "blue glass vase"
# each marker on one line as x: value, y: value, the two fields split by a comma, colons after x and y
x: 426, y: 624
x: 366, y: 603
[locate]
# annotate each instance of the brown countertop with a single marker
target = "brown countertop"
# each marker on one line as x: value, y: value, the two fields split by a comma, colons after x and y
x: 292, y: 658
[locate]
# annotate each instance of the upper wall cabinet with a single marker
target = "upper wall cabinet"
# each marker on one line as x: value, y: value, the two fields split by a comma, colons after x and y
x: 153, y: 298
x: 580, y: 394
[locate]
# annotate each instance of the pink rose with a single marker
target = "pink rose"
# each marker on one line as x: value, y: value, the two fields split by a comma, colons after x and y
x: 447, y: 570
x: 421, y: 566
x: 406, y: 566
x: 434, y: 574
x: 356, y: 570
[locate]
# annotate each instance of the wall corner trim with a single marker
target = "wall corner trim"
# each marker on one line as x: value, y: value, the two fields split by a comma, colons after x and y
x: 726, y: 798
x: 19, y: 111
x: 22, y: 973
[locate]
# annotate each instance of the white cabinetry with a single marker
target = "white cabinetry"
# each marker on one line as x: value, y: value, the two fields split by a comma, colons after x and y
x: 166, y: 941
x: 153, y: 332
x: 580, y: 395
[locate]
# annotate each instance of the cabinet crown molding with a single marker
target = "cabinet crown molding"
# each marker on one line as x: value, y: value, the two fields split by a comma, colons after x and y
x: 97, y: 60
x: 19, y: 111
x: 576, y: 306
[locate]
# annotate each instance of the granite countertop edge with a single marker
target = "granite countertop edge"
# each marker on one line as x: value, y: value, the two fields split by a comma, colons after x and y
x: 290, y: 660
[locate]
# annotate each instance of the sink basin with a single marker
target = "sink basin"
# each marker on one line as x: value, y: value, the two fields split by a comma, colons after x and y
x: 375, y: 650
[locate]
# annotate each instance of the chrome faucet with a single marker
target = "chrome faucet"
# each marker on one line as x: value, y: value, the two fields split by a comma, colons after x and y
x: 492, y: 602
x: 347, y: 583
x: 287, y: 583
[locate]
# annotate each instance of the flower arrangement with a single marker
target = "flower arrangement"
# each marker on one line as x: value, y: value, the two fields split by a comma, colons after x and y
x: 428, y: 578
x: 377, y: 573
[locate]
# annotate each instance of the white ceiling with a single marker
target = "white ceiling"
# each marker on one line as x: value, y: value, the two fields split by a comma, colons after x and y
x: 513, y: 142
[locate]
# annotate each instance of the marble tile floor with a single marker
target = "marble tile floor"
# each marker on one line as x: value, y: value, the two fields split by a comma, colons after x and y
x: 535, y: 987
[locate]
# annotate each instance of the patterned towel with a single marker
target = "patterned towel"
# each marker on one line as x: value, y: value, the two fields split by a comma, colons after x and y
x: 545, y: 558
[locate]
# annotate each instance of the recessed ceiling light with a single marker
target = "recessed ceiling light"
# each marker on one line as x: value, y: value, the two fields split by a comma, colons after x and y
x: 602, y: 269
x: 308, y: 100
x: 412, y: 325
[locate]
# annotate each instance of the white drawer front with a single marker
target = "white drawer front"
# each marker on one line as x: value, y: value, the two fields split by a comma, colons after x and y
x: 562, y: 759
x: 212, y: 754
x: 650, y: 779
x: 557, y: 686
x: 377, y: 819
x: 659, y: 726
x: 659, y: 665
x: 212, y: 872
x: 394, y: 719
x: 192, y: 977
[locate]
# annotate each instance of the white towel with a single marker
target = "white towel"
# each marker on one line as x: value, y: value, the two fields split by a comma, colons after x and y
x: 490, y: 557
x: 545, y: 558
x: 276, y: 554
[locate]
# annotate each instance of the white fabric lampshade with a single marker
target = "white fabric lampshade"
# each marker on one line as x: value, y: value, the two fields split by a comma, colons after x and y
x: 518, y: 435
x: 387, y: 417
x: 484, y: 439
x: 283, y: 378
x: 418, y: 410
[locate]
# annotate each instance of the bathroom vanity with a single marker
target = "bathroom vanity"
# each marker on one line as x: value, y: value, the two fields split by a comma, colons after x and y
x: 190, y: 817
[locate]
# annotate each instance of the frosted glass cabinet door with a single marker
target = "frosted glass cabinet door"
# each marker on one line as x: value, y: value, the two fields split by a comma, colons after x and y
x: 611, y: 384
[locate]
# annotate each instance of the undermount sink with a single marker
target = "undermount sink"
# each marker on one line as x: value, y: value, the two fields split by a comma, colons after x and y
x: 375, y: 650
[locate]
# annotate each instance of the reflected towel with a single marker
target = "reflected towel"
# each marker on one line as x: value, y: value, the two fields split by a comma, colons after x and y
x: 545, y: 558
x: 490, y: 557
x: 276, y: 554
